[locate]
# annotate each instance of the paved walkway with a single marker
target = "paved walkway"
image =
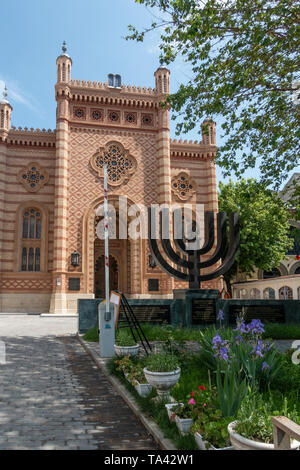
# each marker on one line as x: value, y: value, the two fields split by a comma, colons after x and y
x: 34, y: 325
x: 52, y: 396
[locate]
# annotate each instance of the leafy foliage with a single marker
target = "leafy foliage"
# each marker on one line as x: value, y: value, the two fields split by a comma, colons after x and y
x: 244, y: 56
x: 124, y: 338
x: 264, y: 225
x: 254, y: 417
x: 213, y: 429
x: 162, y: 362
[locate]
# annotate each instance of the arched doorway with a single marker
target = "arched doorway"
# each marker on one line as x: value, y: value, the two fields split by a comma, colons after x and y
x: 127, y: 252
x: 100, y: 275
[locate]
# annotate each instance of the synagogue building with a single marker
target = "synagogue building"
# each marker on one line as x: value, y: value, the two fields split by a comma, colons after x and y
x: 51, y: 184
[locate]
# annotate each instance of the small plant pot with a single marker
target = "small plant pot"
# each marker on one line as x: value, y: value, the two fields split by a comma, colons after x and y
x: 169, y: 407
x: 242, y: 443
x: 143, y: 389
x: 126, y: 350
x: 183, y: 424
x: 162, y: 381
x: 199, y: 441
x: 221, y: 448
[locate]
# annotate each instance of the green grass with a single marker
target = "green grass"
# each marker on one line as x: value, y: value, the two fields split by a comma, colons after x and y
x: 92, y: 335
x: 168, y: 332
x: 156, y: 333
x: 282, y: 331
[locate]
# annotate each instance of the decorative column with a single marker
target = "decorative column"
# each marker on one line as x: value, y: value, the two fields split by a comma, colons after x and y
x: 162, y: 80
x: 60, y: 255
x: 5, y: 121
x: 162, y: 87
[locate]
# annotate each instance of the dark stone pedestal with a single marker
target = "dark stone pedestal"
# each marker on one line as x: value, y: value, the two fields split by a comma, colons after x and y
x: 197, y: 306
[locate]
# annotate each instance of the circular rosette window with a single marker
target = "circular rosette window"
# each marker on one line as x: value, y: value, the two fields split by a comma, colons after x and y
x: 183, y: 186
x: 120, y: 164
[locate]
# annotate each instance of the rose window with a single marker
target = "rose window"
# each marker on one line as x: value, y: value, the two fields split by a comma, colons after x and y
x: 120, y: 164
x: 130, y: 117
x: 96, y: 115
x: 147, y: 119
x: 79, y: 113
x: 113, y: 116
x: 33, y: 177
x: 183, y: 186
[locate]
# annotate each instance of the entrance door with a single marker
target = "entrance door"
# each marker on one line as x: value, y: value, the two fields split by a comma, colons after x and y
x: 100, y: 276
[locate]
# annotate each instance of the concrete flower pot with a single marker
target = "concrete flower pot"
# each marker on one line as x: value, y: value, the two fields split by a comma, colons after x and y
x: 242, y: 443
x: 169, y: 407
x: 162, y: 381
x: 202, y: 444
x: 127, y: 350
x: 143, y: 389
x: 199, y: 441
x: 183, y: 424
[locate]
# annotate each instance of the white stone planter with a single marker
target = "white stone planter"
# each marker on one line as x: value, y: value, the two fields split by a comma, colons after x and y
x: 242, y: 443
x: 183, y: 424
x: 127, y: 350
x: 143, y: 389
x: 202, y: 444
x: 169, y: 407
x: 162, y: 381
x: 199, y: 441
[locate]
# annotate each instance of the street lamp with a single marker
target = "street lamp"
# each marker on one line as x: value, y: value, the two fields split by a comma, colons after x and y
x: 75, y: 258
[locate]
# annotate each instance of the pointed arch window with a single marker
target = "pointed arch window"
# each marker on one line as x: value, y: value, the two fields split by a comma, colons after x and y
x: 31, y: 240
x: 32, y: 224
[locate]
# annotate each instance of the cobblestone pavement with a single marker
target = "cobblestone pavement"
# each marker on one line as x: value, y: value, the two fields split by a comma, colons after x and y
x: 52, y: 396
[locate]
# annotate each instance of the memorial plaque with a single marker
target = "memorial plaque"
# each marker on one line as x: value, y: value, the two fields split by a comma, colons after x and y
x: 153, y: 285
x: 271, y: 313
x: 203, y: 311
x: 149, y: 313
x: 74, y: 283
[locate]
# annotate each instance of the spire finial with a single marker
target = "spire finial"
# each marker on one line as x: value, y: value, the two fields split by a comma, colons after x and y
x: 64, y: 47
x: 5, y: 92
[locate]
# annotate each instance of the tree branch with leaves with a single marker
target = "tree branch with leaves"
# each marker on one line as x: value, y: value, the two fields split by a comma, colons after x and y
x: 245, y: 61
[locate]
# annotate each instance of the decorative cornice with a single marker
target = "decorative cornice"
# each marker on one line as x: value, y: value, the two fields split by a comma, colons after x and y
x: 100, y: 93
x: 31, y: 137
x: 104, y: 86
x: 192, y: 149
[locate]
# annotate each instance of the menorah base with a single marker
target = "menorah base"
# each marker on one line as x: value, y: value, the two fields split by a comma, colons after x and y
x: 195, y: 306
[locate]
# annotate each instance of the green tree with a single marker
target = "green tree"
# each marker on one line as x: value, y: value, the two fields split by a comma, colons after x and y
x: 264, y: 226
x: 245, y: 61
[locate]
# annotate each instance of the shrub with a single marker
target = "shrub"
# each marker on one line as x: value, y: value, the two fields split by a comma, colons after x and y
x: 254, y: 417
x: 162, y: 363
x: 124, y: 338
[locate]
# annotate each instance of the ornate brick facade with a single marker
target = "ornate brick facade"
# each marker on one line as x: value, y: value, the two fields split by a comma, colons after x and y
x: 51, y: 184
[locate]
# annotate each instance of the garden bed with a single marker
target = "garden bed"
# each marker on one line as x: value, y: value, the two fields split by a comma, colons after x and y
x: 278, y: 392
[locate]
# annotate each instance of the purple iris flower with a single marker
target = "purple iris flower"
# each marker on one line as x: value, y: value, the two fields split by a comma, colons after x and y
x: 256, y: 327
x: 265, y: 366
x: 217, y: 341
x: 258, y: 348
x: 238, y: 339
x: 224, y: 353
x: 221, y: 315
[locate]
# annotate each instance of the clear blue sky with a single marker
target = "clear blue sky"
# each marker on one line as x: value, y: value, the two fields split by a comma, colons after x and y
x: 32, y: 32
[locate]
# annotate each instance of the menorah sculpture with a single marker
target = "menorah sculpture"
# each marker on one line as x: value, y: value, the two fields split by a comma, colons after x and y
x: 189, y: 260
